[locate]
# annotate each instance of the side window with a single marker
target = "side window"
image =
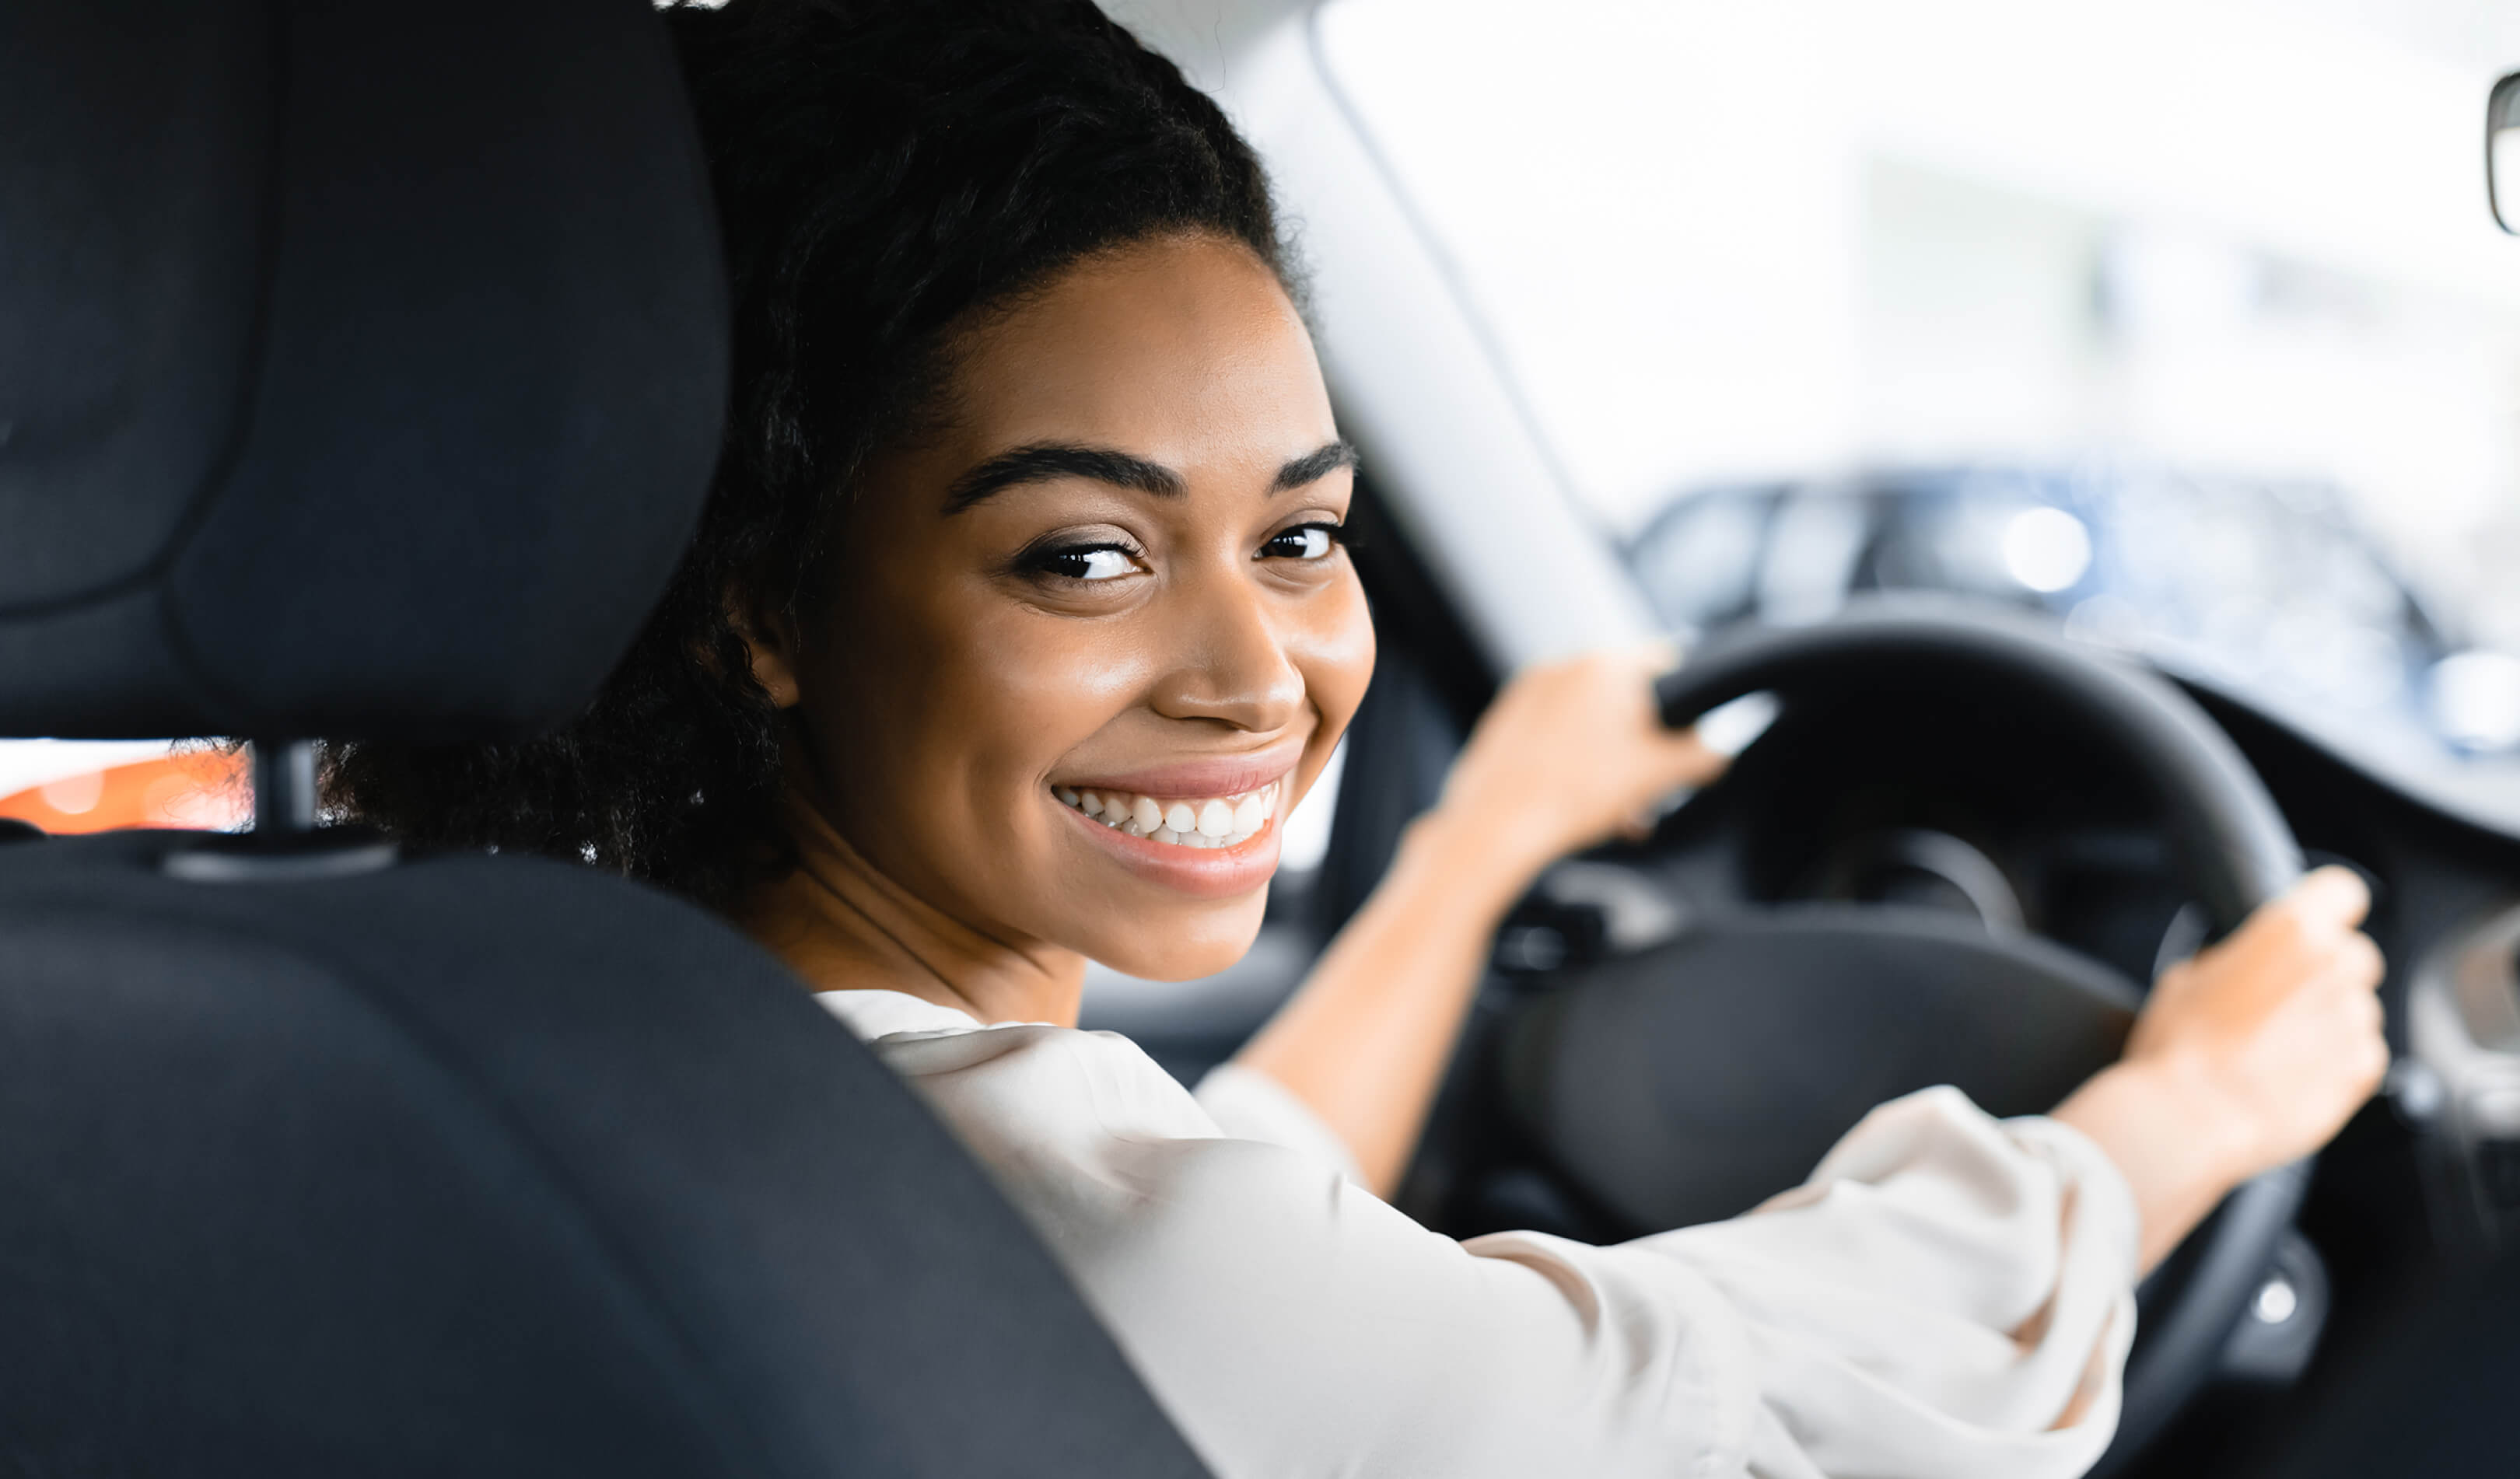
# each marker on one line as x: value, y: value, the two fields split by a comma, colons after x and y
x: 71, y: 785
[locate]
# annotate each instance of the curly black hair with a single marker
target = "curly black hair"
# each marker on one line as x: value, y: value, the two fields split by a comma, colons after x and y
x: 885, y: 171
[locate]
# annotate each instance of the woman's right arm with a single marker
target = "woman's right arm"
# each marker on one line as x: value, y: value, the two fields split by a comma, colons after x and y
x: 2251, y: 1055
x: 1948, y: 1298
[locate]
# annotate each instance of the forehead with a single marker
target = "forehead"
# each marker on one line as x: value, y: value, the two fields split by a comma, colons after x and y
x: 1184, y: 350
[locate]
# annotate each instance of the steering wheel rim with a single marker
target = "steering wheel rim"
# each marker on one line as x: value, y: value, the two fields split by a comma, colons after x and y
x: 2233, y: 850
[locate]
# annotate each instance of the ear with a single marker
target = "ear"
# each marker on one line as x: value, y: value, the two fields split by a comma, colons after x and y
x: 770, y: 636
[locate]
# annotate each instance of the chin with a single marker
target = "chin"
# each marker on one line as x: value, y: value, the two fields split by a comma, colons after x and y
x: 1201, y: 945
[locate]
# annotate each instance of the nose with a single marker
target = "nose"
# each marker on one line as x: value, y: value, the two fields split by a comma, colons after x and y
x: 1231, y: 664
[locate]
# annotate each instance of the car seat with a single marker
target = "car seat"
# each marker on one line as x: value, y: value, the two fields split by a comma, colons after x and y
x: 361, y: 371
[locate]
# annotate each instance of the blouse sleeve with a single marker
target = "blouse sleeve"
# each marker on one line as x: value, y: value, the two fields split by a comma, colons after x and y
x: 1248, y: 1104
x: 1946, y: 1296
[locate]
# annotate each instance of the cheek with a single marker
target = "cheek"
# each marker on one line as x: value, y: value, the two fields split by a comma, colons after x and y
x: 1002, y: 698
x: 1060, y: 679
x: 1332, y: 645
x: 939, y: 707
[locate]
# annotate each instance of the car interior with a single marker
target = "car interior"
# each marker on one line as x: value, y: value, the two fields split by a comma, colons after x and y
x: 358, y: 379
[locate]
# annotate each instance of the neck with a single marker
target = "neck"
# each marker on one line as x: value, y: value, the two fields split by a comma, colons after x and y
x: 842, y: 925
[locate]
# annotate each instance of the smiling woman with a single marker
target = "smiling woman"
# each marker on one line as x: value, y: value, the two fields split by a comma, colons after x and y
x: 1114, y: 571
x: 1017, y: 622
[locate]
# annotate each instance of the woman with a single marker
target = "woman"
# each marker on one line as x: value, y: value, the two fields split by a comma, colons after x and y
x: 1019, y: 621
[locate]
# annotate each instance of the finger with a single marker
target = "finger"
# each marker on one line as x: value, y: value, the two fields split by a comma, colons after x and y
x: 2360, y: 963
x: 2350, y: 971
x: 2369, y: 1018
x: 2375, y: 1068
x: 2366, y: 1060
x: 1680, y: 768
x: 1691, y: 760
x: 2332, y: 895
x: 2292, y: 932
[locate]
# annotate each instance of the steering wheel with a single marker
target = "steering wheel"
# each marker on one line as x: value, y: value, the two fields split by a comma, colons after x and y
x: 1686, y: 1083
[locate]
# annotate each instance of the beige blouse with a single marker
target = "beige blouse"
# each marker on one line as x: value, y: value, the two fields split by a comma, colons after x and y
x: 1946, y: 1297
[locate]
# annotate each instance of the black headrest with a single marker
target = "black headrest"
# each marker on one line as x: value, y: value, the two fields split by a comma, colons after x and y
x: 361, y: 365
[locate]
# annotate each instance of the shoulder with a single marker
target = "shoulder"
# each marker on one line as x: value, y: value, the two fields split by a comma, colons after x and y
x: 1108, y: 1155
x: 1024, y: 1091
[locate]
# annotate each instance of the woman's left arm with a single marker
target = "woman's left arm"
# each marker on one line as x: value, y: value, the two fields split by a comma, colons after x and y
x: 1570, y: 754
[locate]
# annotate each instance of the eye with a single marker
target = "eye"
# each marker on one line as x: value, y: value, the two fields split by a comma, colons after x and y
x: 1309, y: 541
x: 1088, y: 562
x: 1082, y: 563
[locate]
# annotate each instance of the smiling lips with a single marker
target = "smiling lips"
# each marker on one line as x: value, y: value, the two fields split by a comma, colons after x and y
x: 1191, y: 822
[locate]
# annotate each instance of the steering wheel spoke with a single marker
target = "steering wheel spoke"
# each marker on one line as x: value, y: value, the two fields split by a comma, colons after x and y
x: 1719, y: 1067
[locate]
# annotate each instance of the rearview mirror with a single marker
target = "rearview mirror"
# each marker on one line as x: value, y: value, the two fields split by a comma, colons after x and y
x: 2502, y: 153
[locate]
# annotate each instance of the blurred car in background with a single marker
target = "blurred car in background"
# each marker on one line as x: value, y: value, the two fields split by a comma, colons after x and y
x: 2263, y: 587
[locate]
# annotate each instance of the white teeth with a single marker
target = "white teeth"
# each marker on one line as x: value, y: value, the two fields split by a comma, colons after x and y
x: 1211, y: 822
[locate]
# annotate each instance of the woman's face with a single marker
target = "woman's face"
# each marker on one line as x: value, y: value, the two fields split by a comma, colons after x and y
x: 1115, y: 585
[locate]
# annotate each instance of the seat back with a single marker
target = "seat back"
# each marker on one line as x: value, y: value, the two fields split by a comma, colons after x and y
x: 490, y: 1166
x: 360, y: 374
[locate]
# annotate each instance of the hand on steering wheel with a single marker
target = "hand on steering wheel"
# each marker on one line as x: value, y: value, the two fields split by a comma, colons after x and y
x: 1570, y: 754
x: 2249, y: 1057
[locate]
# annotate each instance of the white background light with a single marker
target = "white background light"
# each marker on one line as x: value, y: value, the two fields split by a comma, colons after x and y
x: 2047, y: 549
x: 2476, y: 698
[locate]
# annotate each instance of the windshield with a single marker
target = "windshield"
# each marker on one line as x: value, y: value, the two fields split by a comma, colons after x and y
x: 2182, y: 319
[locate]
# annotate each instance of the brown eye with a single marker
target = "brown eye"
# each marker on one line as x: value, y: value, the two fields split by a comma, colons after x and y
x: 1086, y: 562
x: 1303, y: 542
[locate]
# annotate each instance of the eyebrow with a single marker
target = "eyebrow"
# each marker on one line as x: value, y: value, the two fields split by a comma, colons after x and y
x: 1314, y: 466
x: 1043, y: 462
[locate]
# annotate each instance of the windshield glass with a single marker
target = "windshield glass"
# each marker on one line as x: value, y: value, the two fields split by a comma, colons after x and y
x: 2182, y: 319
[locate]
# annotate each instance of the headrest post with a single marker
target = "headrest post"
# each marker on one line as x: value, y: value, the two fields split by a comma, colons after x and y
x: 284, y: 786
